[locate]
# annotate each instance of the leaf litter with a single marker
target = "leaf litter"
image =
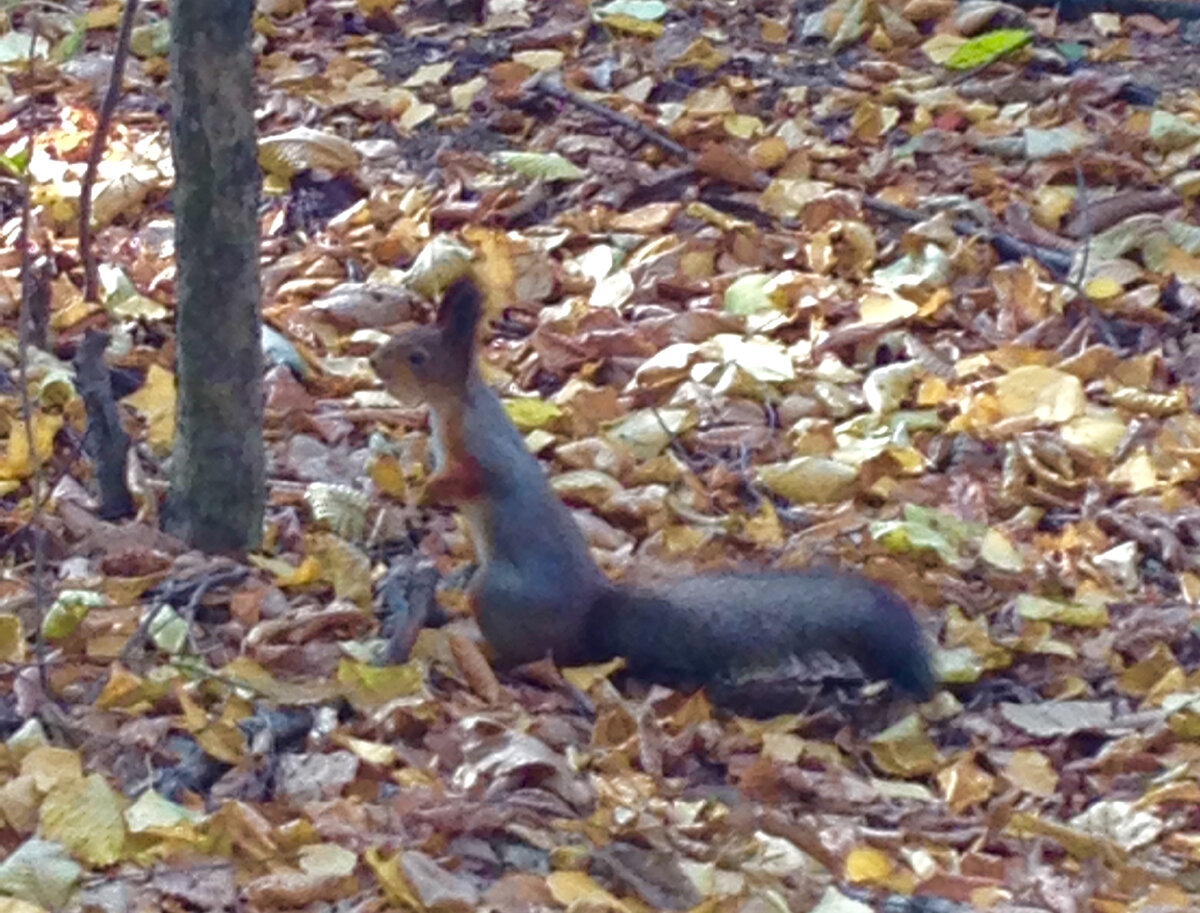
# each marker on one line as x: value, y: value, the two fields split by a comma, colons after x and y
x: 902, y: 286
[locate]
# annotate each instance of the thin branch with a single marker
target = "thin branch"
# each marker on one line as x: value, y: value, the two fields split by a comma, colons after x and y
x: 1085, y: 213
x: 96, y: 152
x: 25, y: 327
x: 555, y: 89
x: 1006, y: 245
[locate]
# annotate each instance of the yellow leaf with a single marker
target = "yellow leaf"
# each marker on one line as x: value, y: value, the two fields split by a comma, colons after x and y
x: 87, y: 817
x: 387, y: 474
x: 372, y: 752
x: 52, y: 768
x: 867, y: 865
x: 346, y: 567
x: 530, y: 412
x: 570, y: 888
x: 106, y: 17
x: 1097, y: 432
x: 1142, y: 677
x: 1137, y: 474
x: 310, y: 691
x: 809, y: 480
x: 302, y: 148
x: 429, y: 74
x: 701, y: 55
x: 12, y: 639
x: 1103, y: 288
x: 631, y: 25
x: 417, y: 114
x: 122, y: 689
x: 584, y: 677
x: 155, y: 403
x: 884, y: 307
x: 1032, y: 771
x: 152, y: 811
x: 997, y: 550
x: 391, y: 879
x: 905, y: 749
x: 942, y: 47
x: 1079, y: 844
x: 764, y: 528
x: 1051, y: 203
x: 224, y: 742
x: 965, y: 784
x: 1076, y: 614
x: 327, y: 859
x: 369, y: 686
x: 19, y: 801
x: 16, y: 463
x: 1045, y: 394
x: 287, y: 575
x: 462, y: 95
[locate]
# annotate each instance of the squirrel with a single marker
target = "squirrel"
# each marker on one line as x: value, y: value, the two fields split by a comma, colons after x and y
x: 538, y: 591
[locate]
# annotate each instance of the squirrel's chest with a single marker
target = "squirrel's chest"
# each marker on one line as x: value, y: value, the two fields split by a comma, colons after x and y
x: 477, y: 525
x: 449, y: 455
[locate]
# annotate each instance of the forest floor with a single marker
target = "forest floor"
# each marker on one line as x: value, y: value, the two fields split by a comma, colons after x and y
x: 907, y: 287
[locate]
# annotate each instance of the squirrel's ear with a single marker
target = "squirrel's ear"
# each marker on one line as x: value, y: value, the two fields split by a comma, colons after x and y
x: 458, y: 314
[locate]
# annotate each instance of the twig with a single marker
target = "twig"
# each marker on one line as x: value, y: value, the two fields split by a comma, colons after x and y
x: 1006, y: 245
x: 1099, y: 321
x: 145, y: 876
x: 202, y: 671
x: 1085, y: 214
x: 547, y: 85
x: 97, y: 150
x: 44, y: 4
x: 203, y: 585
x: 25, y: 326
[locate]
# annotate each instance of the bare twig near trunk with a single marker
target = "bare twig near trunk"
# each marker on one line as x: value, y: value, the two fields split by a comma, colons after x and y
x: 96, y: 152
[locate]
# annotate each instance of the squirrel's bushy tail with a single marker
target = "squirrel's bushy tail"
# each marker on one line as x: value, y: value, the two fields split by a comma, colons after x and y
x: 700, y: 628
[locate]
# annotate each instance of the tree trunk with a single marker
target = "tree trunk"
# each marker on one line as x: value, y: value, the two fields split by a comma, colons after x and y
x: 217, y: 484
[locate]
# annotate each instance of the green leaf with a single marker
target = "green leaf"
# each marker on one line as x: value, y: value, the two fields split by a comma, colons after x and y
x: 17, y: 164
x: 69, y: 609
x: 748, y: 294
x: 1073, y: 51
x: 151, y: 40
x: 71, y: 43
x: 645, y: 10
x: 40, y: 872
x: 545, y: 166
x: 988, y: 48
x: 169, y: 630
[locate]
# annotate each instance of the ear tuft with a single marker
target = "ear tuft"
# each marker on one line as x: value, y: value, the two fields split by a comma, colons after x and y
x: 459, y: 312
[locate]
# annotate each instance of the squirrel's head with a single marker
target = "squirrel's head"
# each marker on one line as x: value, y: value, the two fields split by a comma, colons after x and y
x: 434, y: 360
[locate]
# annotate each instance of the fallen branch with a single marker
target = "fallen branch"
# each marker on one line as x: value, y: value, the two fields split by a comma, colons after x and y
x: 1007, y: 246
x: 1166, y: 10
x: 551, y: 86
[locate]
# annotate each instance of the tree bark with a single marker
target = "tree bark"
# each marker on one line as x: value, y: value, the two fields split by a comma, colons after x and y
x: 217, y: 482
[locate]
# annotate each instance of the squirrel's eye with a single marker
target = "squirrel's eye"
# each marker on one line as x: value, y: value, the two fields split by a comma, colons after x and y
x: 417, y: 357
